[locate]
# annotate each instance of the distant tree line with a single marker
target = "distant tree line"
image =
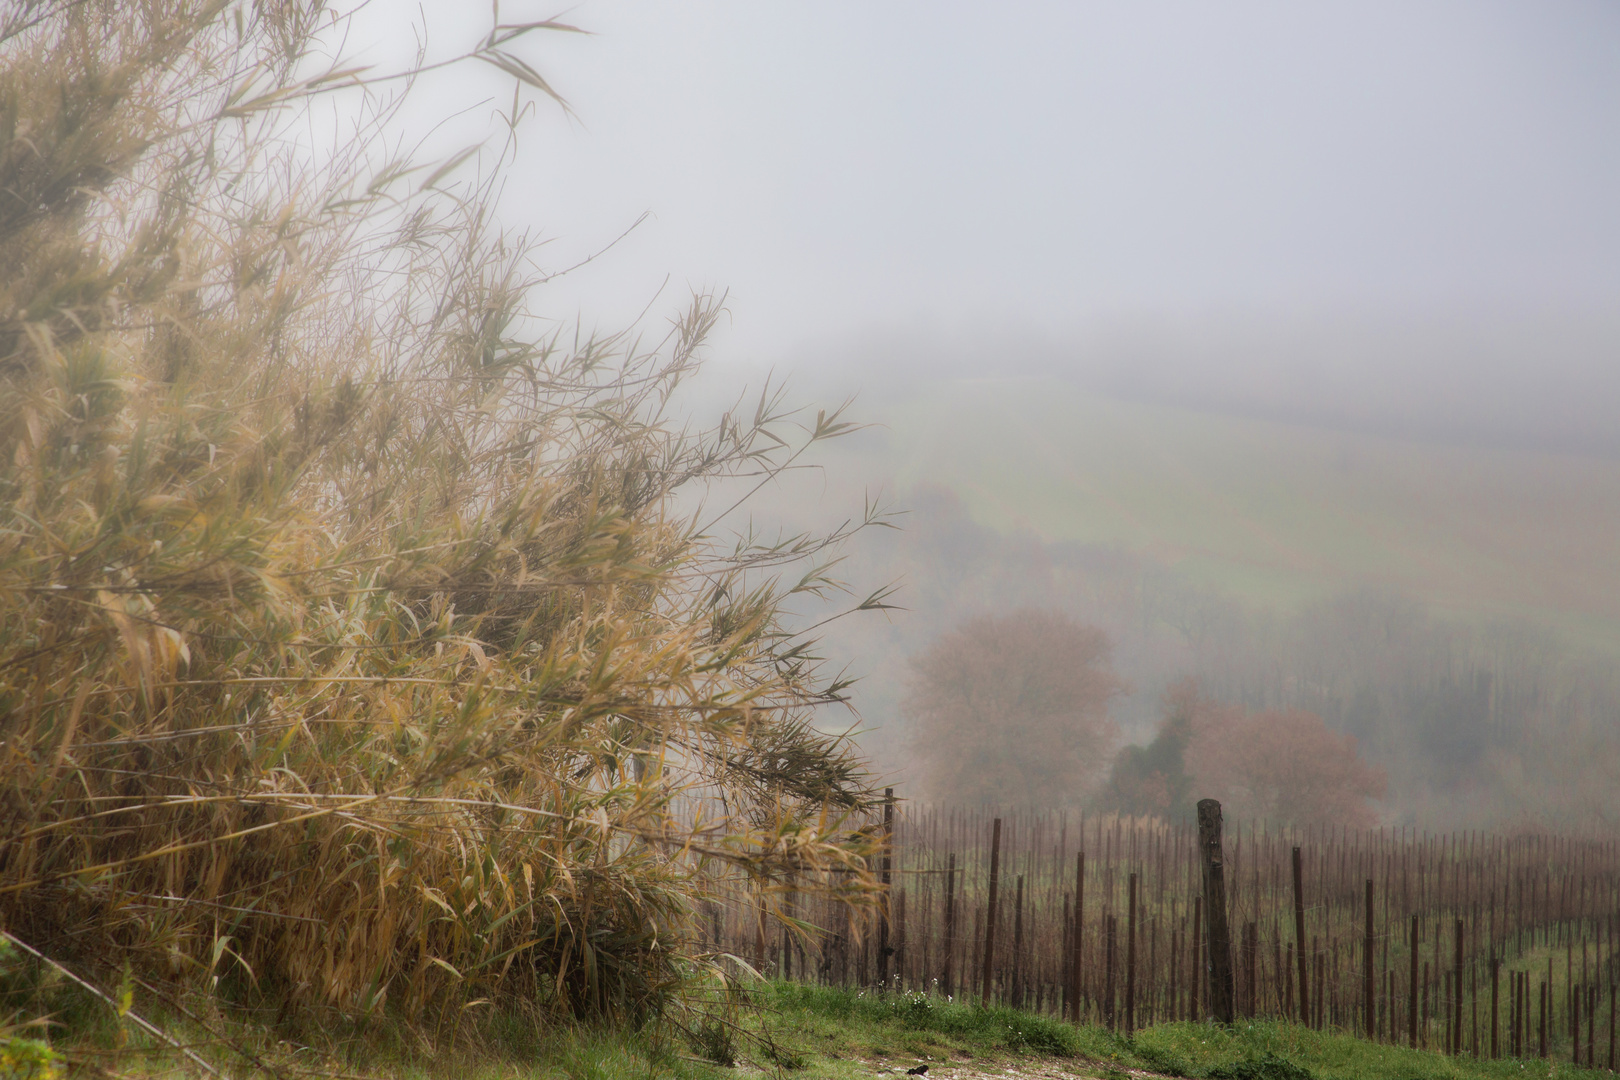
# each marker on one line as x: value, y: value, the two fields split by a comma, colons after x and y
x: 1455, y: 721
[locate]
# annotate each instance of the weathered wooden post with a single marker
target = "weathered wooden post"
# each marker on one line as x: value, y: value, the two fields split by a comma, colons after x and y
x: 1412, y: 1000
x: 1299, y: 939
x: 1220, y: 934
x: 1075, y: 980
x: 1457, y: 994
x: 1546, y: 1000
x: 789, y: 908
x: 1369, y: 1014
x: 887, y: 900
x: 1111, y: 983
x: 1251, y: 969
x: 1130, y: 960
x: 989, y: 961
x: 1196, y: 979
x: 1614, y: 1014
x: 1574, y: 1000
x: 946, y: 981
x: 1496, y: 1007
x: 1016, y: 990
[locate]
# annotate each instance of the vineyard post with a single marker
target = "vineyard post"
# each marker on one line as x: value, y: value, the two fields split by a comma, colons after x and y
x: 1546, y: 996
x: 1369, y: 1016
x: 1111, y: 966
x: 1017, y: 988
x: 950, y: 922
x: 1130, y: 960
x: 1526, y: 1014
x: 899, y: 947
x: 1251, y: 964
x: 1065, y: 954
x: 1412, y: 1000
x: 1517, y: 1001
x: 1591, y: 1025
x: 788, y: 908
x: 1299, y: 939
x: 1574, y: 1000
x: 886, y: 902
x: 987, y: 964
x: 1079, y: 934
x: 1220, y: 935
x: 1457, y: 995
x: 1473, y: 1010
x: 1526, y: 1028
x: 1496, y: 977
x: 1195, y: 977
x: 1319, y: 1003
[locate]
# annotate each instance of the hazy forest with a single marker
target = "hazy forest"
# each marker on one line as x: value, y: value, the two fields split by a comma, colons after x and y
x: 1475, y: 720
x: 392, y: 656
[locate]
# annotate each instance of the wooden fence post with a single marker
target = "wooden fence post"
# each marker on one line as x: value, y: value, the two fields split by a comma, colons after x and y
x: 950, y: 923
x: 1111, y: 983
x: 1457, y: 995
x: 1195, y: 978
x: 1251, y: 970
x: 1496, y: 989
x: 1412, y: 1001
x: 1299, y: 942
x: 1017, y: 987
x: 988, y: 965
x: 1546, y: 996
x: 1130, y: 960
x: 1075, y: 943
x: 1369, y: 1013
x: 885, y: 903
x: 1220, y: 934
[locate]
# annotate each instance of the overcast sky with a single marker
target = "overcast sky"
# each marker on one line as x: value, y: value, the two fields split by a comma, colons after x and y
x: 843, y: 166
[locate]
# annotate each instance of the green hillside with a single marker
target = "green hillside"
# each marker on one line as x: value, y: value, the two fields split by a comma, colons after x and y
x: 1277, y: 513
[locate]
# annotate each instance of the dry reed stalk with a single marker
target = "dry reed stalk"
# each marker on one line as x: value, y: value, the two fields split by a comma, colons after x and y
x: 360, y: 652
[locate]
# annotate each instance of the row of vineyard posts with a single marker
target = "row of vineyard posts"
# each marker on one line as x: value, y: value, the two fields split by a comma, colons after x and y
x: 1492, y: 945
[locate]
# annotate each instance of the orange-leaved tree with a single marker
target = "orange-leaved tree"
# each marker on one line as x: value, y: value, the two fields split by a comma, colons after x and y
x: 1012, y: 709
x: 1284, y: 766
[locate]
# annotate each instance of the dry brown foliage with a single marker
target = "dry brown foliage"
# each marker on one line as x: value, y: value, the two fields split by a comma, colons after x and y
x: 356, y: 654
x: 1012, y: 709
x: 1285, y: 767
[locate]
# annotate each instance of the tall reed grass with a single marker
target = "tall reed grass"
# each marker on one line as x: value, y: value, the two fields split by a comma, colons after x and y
x: 357, y: 652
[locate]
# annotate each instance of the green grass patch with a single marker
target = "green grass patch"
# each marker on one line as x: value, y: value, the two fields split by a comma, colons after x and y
x: 840, y: 1034
x: 955, y: 1025
x: 789, y: 1031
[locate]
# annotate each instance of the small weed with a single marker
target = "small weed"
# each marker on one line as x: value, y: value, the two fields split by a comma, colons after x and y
x: 916, y: 1011
x: 28, y: 1059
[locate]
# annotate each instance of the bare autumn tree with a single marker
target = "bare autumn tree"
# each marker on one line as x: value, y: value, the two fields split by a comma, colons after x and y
x: 1285, y: 766
x: 1012, y: 708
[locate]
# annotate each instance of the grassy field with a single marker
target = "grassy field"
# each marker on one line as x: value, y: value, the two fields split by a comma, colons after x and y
x: 1276, y: 513
x: 819, y: 1033
x: 840, y: 1034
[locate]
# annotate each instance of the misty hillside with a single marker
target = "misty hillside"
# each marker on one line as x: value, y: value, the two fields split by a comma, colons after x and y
x: 1447, y: 601
x: 1276, y: 513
